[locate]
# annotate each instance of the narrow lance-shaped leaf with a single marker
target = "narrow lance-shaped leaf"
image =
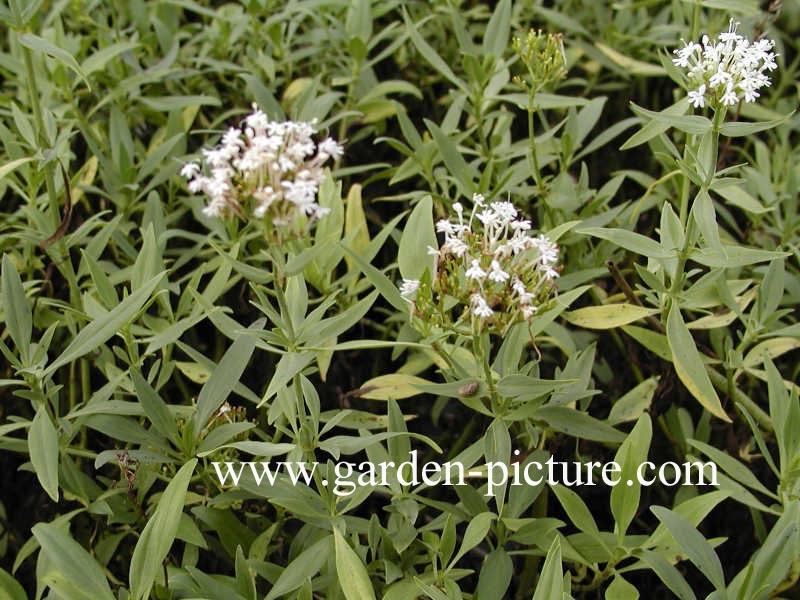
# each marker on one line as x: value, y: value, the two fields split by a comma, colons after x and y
x: 631, y: 454
x: 689, y: 366
x: 18, y: 315
x: 693, y: 544
x: 72, y: 564
x: 551, y: 580
x: 103, y: 328
x: 225, y: 376
x: 43, y: 449
x: 418, y: 234
x: 159, y: 533
x: 351, y: 571
x: 39, y: 44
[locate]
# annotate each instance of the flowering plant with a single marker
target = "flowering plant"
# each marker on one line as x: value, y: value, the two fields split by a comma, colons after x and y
x: 269, y: 169
x: 490, y: 270
x: 727, y: 71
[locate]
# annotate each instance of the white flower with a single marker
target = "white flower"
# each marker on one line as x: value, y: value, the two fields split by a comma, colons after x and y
x: 329, y: 148
x: 548, y: 251
x: 455, y: 247
x: 272, y: 168
x: 520, y: 225
x: 409, y: 288
x: 189, y: 170
x: 550, y: 273
x: 445, y: 226
x: 479, y: 307
x: 516, y: 281
x: 488, y: 217
x: 505, y: 211
x: 697, y: 98
x: 715, y: 68
x: 475, y: 272
x: 729, y: 98
x: 720, y: 77
x: 497, y: 274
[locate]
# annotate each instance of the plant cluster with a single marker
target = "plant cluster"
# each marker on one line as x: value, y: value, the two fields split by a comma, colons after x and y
x: 490, y: 271
x: 266, y: 169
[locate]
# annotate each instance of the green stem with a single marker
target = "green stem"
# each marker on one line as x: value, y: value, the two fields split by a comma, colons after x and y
x: 721, y: 383
x: 33, y: 94
x: 537, y: 175
x: 477, y: 350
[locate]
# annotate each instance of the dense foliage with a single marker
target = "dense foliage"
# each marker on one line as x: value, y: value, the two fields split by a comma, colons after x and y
x: 375, y: 231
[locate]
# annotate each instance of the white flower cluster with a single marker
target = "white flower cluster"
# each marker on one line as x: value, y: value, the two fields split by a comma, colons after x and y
x: 491, y: 263
x: 726, y: 71
x: 271, y: 168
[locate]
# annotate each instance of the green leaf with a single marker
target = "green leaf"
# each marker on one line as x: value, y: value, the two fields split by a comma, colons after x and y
x: 731, y: 466
x: 655, y: 342
x: 770, y: 292
x: 352, y: 574
x: 629, y: 240
x: 10, y: 166
x: 155, y: 408
x: 631, y: 65
x: 303, y: 567
x: 693, y: 124
x: 577, y: 424
x: 381, y: 283
x: 412, y: 256
x: 705, y: 216
x: 72, y: 564
x: 355, y: 223
x: 338, y: 324
x: 731, y: 256
x: 693, y: 544
x: 169, y: 103
x: 551, y: 579
x: 17, y: 309
x: 633, y: 403
x: 289, y: 365
x: 495, y: 575
x: 429, y: 54
x: 689, y: 366
x: 740, y: 129
x: 576, y: 509
x: 9, y: 588
x: 631, y: 454
x: 654, y: 128
x: 495, y: 39
x: 34, y: 42
x: 395, y: 386
x: 465, y: 174
x: 476, y: 532
x: 99, y: 60
x: 607, y: 316
x: 263, y: 449
x: 737, y: 196
x: 620, y: 589
x: 774, y: 558
x: 100, y: 330
x: 43, y: 449
x: 350, y: 444
x: 225, y: 376
x: 159, y: 533
x: 668, y: 574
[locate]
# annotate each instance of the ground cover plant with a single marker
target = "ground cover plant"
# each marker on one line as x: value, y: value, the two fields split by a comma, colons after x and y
x: 350, y: 233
